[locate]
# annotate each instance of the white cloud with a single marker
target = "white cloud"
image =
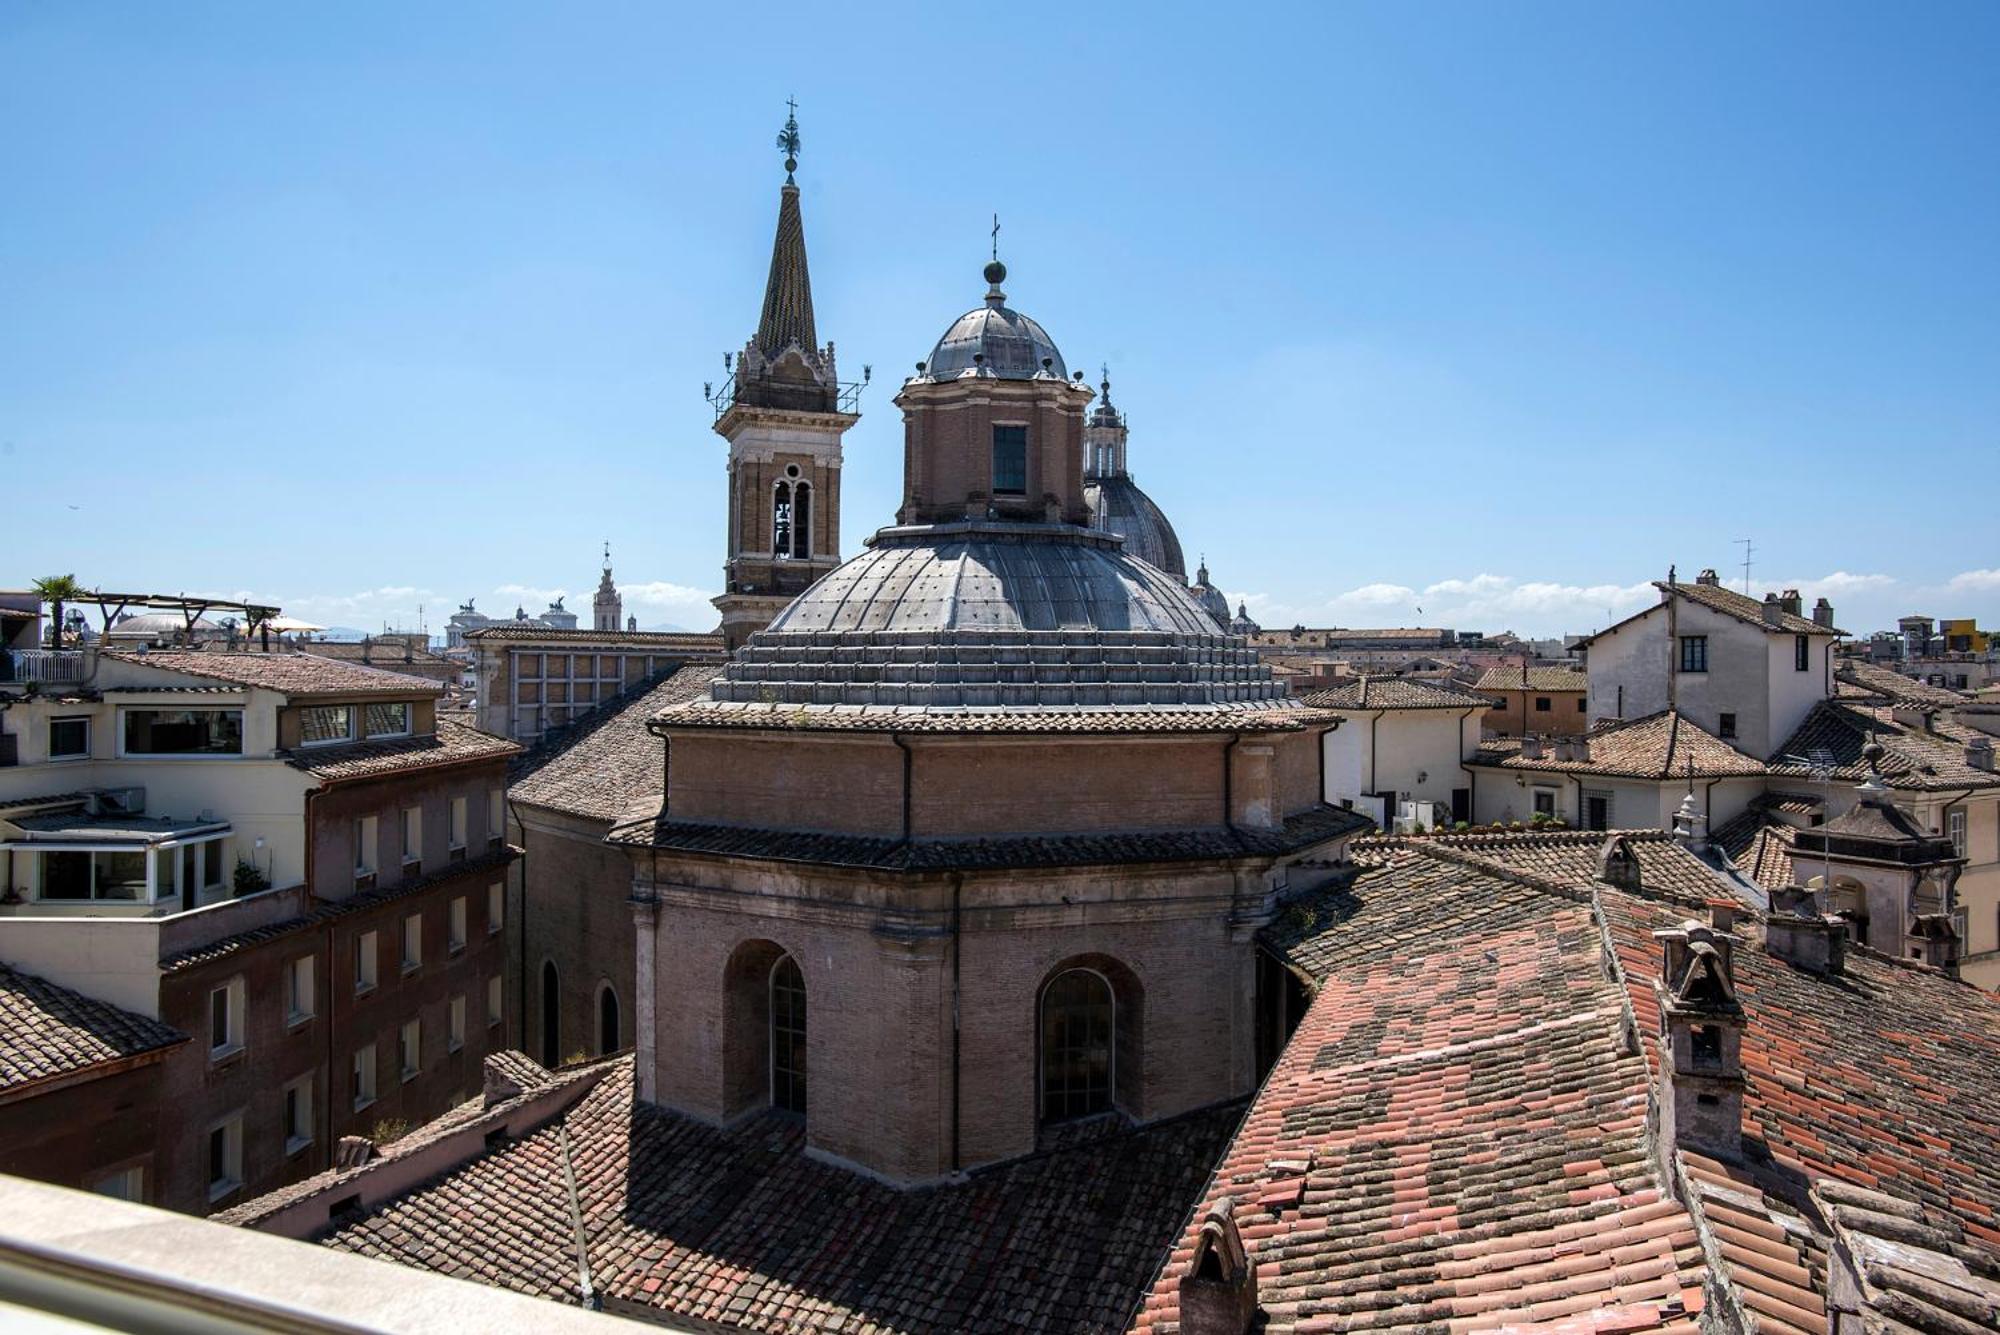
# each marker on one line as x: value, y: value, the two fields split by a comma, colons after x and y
x: 1840, y: 584
x: 530, y: 592
x: 1974, y: 581
x: 662, y: 593
x: 1374, y: 595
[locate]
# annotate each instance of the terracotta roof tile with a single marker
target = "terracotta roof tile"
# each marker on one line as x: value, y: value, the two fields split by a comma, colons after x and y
x: 607, y: 763
x: 1261, y: 717
x: 288, y: 672
x: 453, y: 743
x: 1890, y: 686
x: 1743, y: 607
x: 48, y: 1032
x: 1521, y: 677
x: 738, y: 1226
x: 642, y: 639
x: 1393, y: 693
x: 1915, y: 758
x: 1659, y: 746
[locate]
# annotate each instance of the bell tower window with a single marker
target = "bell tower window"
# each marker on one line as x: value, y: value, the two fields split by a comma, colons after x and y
x: 802, y: 514
x: 1010, y: 460
x: 781, y: 519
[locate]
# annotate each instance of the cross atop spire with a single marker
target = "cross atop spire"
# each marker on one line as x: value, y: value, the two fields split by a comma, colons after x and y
x: 788, y: 139
x: 996, y: 236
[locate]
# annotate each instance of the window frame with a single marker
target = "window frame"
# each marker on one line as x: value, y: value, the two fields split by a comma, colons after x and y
x: 127, y: 712
x: 363, y: 1072
x: 1725, y: 725
x: 789, y: 1088
x: 455, y: 926
x: 454, y: 1033
x: 367, y: 962
x: 1802, y: 653
x: 368, y: 728
x: 1090, y: 1094
x: 234, y: 995
x: 410, y: 831
x: 1017, y: 435
x: 458, y: 823
x: 296, y: 1103
x: 1544, y: 705
x: 496, y: 815
x: 348, y: 734
x: 1536, y: 798
x: 296, y: 1013
x: 496, y: 1001
x: 410, y: 1049
x: 1694, y: 654
x: 496, y: 907
x: 367, y: 845
x: 411, y: 939
x: 1955, y: 826
x: 230, y: 1179
x: 56, y: 757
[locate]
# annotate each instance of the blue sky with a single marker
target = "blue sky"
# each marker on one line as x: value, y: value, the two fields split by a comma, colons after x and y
x: 1490, y: 310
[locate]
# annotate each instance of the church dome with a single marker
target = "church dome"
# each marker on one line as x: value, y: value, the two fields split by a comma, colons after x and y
x: 1118, y: 506
x: 984, y: 614
x: 1011, y: 346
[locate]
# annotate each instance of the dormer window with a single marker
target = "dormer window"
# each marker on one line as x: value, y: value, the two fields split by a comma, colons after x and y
x: 1010, y: 460
x: 389, y: 718
x: 324, y: 725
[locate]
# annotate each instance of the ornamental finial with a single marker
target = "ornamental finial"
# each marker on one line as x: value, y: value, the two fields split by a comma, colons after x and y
x: 788, y: 139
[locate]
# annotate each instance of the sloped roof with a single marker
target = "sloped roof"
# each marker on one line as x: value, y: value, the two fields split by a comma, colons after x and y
x: 288, y: 672
x: 1743, y: 607
x: 738, y: 1226
x: 1913, y: 759
x: 1521, y: 677
x: 1393, y: 693
x: 1658, y: 746
x: 1894, y: 687
x: 453, y: 743
x: 48, y: 1032
x: 606, y: 764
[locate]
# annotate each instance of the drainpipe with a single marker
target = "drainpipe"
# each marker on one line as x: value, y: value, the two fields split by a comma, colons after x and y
x: 1228, y: 788
x: 1579, y: 801
x: 521, y: 973
x: 908, y: 762
x: 1377, y: 718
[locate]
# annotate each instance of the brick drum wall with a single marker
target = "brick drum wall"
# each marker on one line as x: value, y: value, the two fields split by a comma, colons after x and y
x: 576, y: 912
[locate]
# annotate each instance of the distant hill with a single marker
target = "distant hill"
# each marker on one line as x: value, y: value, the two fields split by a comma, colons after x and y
x: 343, y: 633
x: 669, y: 628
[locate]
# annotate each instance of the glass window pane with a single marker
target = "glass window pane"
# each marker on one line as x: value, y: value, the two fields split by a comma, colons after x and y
x: 121, y: 875
x: 65, y: 876
x: 389, y: 718
x: 181, y: 732
x: 1010, y: 460
x: 319, y: 724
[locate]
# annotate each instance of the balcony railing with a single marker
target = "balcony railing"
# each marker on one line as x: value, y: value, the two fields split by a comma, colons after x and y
x: 51, y: 667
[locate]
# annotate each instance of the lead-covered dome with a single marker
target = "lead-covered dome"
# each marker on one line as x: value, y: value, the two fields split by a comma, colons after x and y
x: 1117, y: 505
x: 1011, y: 346
x: 975, y: 615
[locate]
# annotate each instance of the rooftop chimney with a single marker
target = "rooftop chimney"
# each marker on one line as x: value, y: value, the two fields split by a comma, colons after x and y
x: 500, y: 1083
x: 1701, y: 1041
x: 1979, y: 753
x: 1793, y: 604
x: 1799, y: 932
x: 1823, y: 614
x: 1565, y: 748
x: 1774, y: 611
x: 1219, y: 1288
x: 1708, y: 577
x: 1531, y: 746
x: 1617, y: 864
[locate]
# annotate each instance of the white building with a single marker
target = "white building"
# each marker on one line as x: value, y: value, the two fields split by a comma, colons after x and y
x: 1401, y: 748
x: 1745, y: 672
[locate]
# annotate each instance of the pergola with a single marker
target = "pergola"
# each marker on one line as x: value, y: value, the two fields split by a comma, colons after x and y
x: 110, y: 606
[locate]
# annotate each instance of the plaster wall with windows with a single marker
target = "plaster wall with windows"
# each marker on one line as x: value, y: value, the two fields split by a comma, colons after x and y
x: 1416, y: 754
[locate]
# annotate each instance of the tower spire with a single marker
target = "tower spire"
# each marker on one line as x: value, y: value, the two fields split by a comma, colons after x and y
x: 788, y: 308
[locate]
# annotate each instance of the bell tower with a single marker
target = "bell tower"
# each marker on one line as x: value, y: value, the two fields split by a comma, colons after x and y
x: 783, y: 411
x: 607, y: 609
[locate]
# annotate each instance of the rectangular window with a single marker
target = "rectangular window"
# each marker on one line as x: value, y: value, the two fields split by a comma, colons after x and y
x: 200, y: 869
x: 183, y: 732
x: 298, y: 1114
x: 366, y: 954
x: 1802, y: 652
x: 391, y: 718
x: 496, y: 906
x: 127, y: 1184
x: 1542, y: 705
x: 413, y: 941
x: 300, y: 1001
x: 1010, y: 460
x: 495, y: 1005
x: 410, y: 1048
x: 119, y: 876
x: 1579, y: 704
x: 1954, y: 828
x: 363, y: 1076
x: 225, y: 1158
x: 459, y: 815
x: 69, y: 738
x: 367, y: 843
x: 455, y: 1036
x: 1694, y: 653
x: 225, y: 1020
x: 413, y: 837
x: 323, y: 725
x: 455, y: 931
x: 1726, y: 726
x: 496, y: 815
x: 1545, y: 802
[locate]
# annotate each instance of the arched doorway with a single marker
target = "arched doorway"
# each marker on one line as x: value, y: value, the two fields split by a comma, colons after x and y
x: 551, y: 1015
x: 608, y: 1038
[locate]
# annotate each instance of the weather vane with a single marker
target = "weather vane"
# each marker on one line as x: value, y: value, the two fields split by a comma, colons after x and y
x: 788, y: 139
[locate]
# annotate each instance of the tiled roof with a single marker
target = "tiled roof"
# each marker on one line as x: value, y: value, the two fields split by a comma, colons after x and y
x: 1768, y: 1252
x: 1745, y: 608
x: 1393, y: 693
x: 287, y: 671
x: 385, y: 654
x: 327, y: 909
x: 1521, y: 677
x: 1261, y: 717
x: 739, y: 1227
x: 454, y: 743
x: 605, y: 764
x: 1913, y: 760
x: 48, y: 1032
x: 1893, y: 686
x: 637, y: 639
x: 1887, y: 1077
x: 1569, y: 857
x: 1659, y: 746
x: 1298, y: 833
x: 1455, y: 1137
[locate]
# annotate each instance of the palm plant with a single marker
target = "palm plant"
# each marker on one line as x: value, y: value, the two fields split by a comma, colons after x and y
x: 56, y: 590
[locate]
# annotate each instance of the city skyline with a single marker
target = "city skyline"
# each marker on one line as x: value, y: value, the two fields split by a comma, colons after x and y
x: 1565, y: 304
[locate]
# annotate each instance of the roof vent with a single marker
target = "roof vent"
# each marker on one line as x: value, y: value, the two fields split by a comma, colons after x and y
x: 1910, y: 714
x: 1617, y: 864
x: 1799, y: 932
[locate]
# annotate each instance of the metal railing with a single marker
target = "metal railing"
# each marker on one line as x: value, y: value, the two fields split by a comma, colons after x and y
x: 56, y: 667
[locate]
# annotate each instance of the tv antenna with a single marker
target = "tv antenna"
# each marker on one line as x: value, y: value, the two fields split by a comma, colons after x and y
x: 1748, y: 549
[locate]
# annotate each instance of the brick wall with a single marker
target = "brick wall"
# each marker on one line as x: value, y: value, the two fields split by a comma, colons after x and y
x: 576, y: 913
x: 76, y: 1135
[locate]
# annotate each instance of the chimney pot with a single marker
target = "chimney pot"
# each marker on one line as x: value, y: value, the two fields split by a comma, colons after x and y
x: 1722, y: 914
x: 1799, y: 932
x: 1531, y: 746
x: 1979, y: 754
x: 1793, y: 604
x: 1823, y: 613
x: 1708, y: 577
x: 1219, y: 1288
x: 1774, y: 611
